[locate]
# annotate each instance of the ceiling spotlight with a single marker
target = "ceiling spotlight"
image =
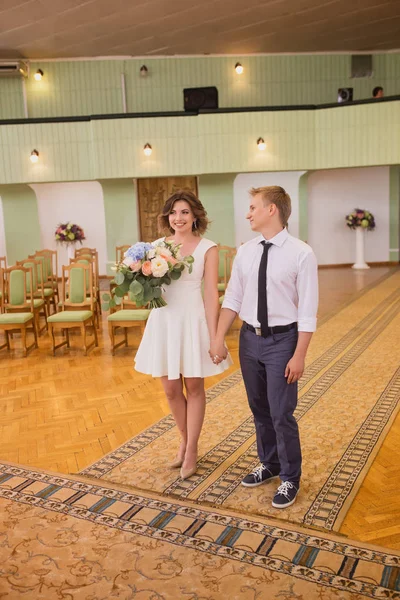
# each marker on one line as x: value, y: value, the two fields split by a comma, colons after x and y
x: 261, y: 144
x: 239, y: 69
x: 38, y: 75
x: 34, y: 156
x: 144, y: 71
x: 147, y: 149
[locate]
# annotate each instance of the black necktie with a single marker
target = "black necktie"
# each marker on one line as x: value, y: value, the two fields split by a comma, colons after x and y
x: 262, y: 306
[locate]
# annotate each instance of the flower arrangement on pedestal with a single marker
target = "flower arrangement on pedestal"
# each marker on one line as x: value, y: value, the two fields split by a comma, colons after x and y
x: 69, y: 233
x: 360, y: 218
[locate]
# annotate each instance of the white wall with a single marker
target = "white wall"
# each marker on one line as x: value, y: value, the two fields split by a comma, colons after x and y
x: 2, y: 233
x: 335, y: 193
x: 81, y: 203
x: 289, y: 180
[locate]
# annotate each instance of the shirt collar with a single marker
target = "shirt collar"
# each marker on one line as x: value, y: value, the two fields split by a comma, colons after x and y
x: 278, y: 240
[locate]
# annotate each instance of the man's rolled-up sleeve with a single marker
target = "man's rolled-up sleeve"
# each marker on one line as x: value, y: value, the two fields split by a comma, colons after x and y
x: 307, y: 289
x: 234, y: 292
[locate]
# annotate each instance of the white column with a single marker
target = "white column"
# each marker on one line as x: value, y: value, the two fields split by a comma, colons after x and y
x: 360, y: 261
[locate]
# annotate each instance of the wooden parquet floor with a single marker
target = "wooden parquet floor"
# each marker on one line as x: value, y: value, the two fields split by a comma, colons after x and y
x: 63, y: 413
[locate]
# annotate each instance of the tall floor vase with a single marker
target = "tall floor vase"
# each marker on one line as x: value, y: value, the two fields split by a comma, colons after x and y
x: 360, y: 261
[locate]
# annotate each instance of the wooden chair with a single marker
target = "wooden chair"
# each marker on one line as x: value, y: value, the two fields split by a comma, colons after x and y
x: 120, y: 251
x: 226, y: 255
x: 86, y: 259
x: 128, y: 316
x: 92, y: 252
x: 50, y: 272
x: 35, y: 290
x: 77, y: 304
x: 22, y: 316
x: 3, y: 265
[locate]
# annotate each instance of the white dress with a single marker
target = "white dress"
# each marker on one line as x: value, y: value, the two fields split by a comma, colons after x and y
x: 176, y: 339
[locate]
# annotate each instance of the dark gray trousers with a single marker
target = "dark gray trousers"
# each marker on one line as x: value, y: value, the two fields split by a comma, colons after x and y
x: 272, y: 400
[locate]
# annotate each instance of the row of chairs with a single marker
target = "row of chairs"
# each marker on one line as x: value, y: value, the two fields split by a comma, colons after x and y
x: 29, y: 288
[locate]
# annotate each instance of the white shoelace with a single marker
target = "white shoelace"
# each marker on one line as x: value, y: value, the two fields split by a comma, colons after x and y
x: 284, y: 488
x: 258, y: 471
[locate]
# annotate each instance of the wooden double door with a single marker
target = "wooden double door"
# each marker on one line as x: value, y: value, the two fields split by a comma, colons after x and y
x: 152, y: 195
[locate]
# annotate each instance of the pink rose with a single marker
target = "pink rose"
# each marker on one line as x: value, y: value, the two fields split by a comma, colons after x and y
x: 169, y: 259
x: 146, y: 268
x: 135, y: 266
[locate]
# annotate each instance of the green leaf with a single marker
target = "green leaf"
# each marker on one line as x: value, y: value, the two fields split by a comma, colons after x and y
x: 157, y: 293
x: 136, y: 287
x: 106, y: 297
x: 112, y: 303
x: 175, y: 274
x: 119, y: 278
x: 129, y: 275
x: 117, y: 300
x: 105, y: 307
x: 119, y: 292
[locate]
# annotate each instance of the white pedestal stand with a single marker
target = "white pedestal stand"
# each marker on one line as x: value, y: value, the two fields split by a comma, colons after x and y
x: 360, y: 262
x: 70, y: 251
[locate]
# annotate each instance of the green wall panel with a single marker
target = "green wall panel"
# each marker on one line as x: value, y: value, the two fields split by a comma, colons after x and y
x: 120, y: 207
x: 11, y: 98
x: 216, y: 194
x: 21, y: 221
x: 84, y: 87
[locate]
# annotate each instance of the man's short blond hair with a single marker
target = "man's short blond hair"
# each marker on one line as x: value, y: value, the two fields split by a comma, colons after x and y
x: 275, y: 194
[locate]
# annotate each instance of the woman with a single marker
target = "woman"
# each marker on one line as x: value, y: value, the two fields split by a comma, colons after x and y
x: 177, y: 337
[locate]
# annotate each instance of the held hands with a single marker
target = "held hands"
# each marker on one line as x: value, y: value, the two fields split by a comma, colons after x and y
x: 218, y: 351
x: 294, y: 369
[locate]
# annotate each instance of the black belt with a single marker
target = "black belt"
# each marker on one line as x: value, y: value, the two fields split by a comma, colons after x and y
x: 271, y: 330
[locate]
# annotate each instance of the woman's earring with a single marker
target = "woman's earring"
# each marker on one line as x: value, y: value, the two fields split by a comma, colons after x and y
x: 195, y: 224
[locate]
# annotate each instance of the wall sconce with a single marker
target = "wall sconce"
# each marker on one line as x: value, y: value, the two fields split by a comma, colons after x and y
x: 147, y: 149
x: 143, y: 71
x: 38, y: 75
x: 261, y: 144
x: 239, y: 69
x: 34, y: 157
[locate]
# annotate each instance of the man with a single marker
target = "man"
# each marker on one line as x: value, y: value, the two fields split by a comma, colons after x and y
x: 274, y: 290
x: 378, y: 92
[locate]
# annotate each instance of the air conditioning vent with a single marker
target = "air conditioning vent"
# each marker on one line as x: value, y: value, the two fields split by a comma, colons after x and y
x: 17, y: 68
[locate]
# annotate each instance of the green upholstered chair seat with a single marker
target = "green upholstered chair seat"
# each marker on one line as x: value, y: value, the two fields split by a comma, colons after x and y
x: 87, y: 300
x: 129, y: 315
x: 47, y: 292
x: 221, y: 287
x: 50, y: 284
x: 221, y: 299
x: 17, y: 318
x: 70, y: 316
x: 38, y: 302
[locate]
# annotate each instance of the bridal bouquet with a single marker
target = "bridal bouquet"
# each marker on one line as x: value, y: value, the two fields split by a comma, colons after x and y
x: 360, y: 218
x: 144, y: 271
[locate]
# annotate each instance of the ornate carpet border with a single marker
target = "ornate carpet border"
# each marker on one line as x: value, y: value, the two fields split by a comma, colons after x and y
x: 353, y: 568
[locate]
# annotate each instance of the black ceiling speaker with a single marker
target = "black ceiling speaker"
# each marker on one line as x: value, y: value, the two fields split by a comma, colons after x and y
x: 202, y: 97
x: 345, y: 95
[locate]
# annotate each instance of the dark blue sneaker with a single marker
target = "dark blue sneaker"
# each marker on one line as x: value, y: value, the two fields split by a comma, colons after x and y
x: 285, y: 495
x: 260, y: 475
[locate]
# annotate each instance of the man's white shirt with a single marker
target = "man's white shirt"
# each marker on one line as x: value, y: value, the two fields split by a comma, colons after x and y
x: 292, y: 282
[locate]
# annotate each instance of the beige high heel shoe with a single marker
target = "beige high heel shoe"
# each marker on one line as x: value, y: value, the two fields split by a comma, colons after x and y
x: 186, y: 473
